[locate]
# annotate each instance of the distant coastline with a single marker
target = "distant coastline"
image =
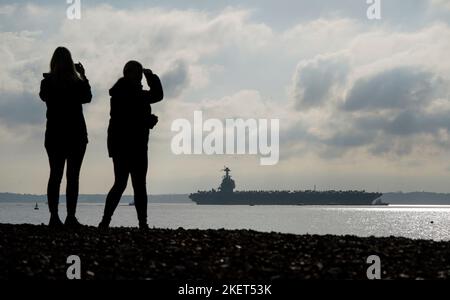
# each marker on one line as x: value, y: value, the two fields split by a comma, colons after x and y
x: 396, y: 198
x: 93, y: 198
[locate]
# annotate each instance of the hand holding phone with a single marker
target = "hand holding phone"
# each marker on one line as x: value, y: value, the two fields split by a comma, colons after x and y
x: 80, y: 69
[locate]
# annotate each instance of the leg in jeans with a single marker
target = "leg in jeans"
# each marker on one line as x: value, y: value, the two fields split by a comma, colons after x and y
x: 138, y: 177
x: 121, y: 174
x: 74, y: 162
x: 56, y: 160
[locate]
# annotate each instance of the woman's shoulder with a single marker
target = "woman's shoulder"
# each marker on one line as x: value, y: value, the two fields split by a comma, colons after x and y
x: 50, y: 78
x: 119, y: 88
x: 47, y: 77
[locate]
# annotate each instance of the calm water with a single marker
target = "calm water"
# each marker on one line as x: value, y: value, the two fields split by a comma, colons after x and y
x: 407, y: 221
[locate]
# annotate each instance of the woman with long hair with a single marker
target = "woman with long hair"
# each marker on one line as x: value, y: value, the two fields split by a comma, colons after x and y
x: 64, y: 89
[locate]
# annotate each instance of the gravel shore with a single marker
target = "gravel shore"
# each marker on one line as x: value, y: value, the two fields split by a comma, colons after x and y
x: 38, y: 252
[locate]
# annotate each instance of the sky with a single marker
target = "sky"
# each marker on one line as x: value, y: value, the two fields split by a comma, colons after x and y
x: 363, y: 104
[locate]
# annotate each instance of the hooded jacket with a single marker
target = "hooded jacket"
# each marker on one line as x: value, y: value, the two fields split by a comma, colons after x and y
x: 128, y: 130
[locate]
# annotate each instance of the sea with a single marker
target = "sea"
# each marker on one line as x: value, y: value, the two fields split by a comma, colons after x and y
x: 416, y: 222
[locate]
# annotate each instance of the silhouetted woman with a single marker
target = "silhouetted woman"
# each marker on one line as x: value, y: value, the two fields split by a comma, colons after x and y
x: 128, y: 133
x: 64, y: 90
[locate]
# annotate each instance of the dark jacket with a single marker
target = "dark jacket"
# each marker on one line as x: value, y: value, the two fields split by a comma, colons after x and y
x: 128, y: 129
x: 65, y: 120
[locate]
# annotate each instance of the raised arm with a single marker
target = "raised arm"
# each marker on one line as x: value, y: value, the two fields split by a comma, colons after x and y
x: 156, y: 93
x: 85, y: 93
x: 84, y: 86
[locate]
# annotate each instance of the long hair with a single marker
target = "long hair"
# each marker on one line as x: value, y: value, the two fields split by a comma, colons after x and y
x: 62, y: 66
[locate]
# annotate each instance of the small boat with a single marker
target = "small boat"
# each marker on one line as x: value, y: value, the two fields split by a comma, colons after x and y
x: 36, y: 207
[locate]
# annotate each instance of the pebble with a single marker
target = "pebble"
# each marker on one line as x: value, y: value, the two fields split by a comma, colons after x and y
x: 38, y: 252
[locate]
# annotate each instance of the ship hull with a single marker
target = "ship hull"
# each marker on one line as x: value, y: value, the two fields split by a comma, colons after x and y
x: 286, y: 198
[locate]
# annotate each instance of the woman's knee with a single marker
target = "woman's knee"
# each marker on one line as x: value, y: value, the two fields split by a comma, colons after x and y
x: 55, y: 177
x: 73, y: 176
x: 120, y: 185
x: 139, y: 185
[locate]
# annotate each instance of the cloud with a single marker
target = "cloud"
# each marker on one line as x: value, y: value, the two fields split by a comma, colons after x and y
x: 7, y: 9
x: 441, y: 4
x: 20, y: 61
x: 175, y: 44
x: 392, y: 113
x: 21, y: 109
x: 403, y: 87
x: 384, y: 94
x: 314, y: 80
x: 342, y: 88
x: 320, y: 36
x: 348, y: 71
x: 176, y: 79
x: 232, y: 106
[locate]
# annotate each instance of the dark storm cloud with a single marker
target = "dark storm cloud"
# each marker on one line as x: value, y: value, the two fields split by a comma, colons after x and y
x: 396, y: 88
x: 391, y: 134
x: 295, y: 133
x: 407, y: 123
x: 314, y: 80
x: 176, y: 79
x: 415, y: 122
x: 353, y: 138
x: 384, y: 113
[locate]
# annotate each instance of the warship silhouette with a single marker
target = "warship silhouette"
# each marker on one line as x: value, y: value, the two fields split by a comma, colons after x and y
x: 225, y: 195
